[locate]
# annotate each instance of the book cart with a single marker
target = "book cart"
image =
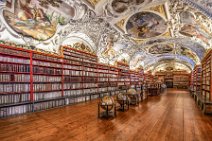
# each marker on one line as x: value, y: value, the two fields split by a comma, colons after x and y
x: 31, y: 80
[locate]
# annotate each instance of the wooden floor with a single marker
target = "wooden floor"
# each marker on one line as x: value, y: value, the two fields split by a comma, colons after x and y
x: 173, y: 117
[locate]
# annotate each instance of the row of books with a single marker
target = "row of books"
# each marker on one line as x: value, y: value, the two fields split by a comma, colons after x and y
x: 206, y: 87
x: 90, y: 85
x: 113, y: 79
x: 91, y: 65
x: 94, y: 97
x: 73, y: 73
x: 103, y: 90
x: 14, y: 88
x: 73, y: 67
x: 124, y: 79
x: 75, y: 100
x: 90, y: 79
x: 13, y: 52
x: 71, y: 79
x: 47, y: 95
x: 90, y: 73
x: 104, y: 75
x: 73, y: 86
x: 47, y: 64
x: 205, y: 79
x: 207, y: 82
x: 91, y: 91
x: 14, y: 60
x: 103, y: 79
x: 70, y: 57
x: 15, y: 110
x: 73, y: 62
x: 45, y: 57
x: 207, y: 74
x: 91, y: 69
x: 115, y: 72
x: 48, y: 104
x: 14, y: 98
x: 81, y: 55
x: 103, y: 70
x: 14, y: 68
x: 43, y: 78
x: 206, y: 95
x: 47, y: 87
x: 47, y: 71
x: 68, y: 93
x: 14, y: 78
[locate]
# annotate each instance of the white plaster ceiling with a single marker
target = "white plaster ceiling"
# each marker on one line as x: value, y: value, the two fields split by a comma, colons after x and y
x: 115, y: 29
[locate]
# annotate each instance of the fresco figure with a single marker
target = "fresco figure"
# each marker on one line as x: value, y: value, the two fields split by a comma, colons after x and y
x: 160, y: 49
x: 144, y: 25
x: 193, y: 28
x: 121, y: 6
x: 37, y: 20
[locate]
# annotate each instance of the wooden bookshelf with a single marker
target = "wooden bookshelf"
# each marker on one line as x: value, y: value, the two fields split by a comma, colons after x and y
x: 197, y: 73
x: 181, y: 79
x: 33, y: 81
x: 206, y: 93
x: 191, y: 84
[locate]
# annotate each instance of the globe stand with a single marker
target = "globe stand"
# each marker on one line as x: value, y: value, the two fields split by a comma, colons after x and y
x: 107, y: 110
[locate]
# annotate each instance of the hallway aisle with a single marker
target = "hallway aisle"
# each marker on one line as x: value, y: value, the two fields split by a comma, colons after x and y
x: 173, y: 116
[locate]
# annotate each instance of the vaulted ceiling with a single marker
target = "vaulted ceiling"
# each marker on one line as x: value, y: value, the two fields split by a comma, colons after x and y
x: 154, y: 34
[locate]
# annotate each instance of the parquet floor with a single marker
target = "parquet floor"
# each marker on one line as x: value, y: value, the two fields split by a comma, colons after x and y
x: 173, y: 116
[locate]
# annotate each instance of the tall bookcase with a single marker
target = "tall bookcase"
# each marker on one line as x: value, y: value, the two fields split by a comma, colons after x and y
x: 191, y: 84
x: 206, y: 77
x: 47, y: 80
x: 181, y: 79
x: 136, y: 79
x: 15, y: 81
x: 33, y: 81
x: 197, y: 80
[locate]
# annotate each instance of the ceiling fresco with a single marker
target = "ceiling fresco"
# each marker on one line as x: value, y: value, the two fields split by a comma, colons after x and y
x: 142, y: 32
x: 121, y: 6
x: 171, y: 66
x: 187, y: 52
x: 160, y: 49
x: 192, y: 27
x: 144, y: 25
x: 30, y: 17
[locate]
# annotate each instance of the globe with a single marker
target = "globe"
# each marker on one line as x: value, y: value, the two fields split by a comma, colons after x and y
x: 131, y: 91
x: 122, y: 97
x: 107, y: 100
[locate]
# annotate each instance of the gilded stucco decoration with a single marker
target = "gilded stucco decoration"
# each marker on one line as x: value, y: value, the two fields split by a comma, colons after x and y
x: 143, y: 31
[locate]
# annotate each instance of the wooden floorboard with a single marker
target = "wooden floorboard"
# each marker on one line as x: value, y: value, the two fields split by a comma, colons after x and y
x: 172, y: 116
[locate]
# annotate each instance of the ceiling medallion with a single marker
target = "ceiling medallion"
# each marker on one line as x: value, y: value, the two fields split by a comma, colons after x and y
x: 144, y: 25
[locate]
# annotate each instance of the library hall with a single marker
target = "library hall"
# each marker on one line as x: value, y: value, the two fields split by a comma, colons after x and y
x: 105, y: 70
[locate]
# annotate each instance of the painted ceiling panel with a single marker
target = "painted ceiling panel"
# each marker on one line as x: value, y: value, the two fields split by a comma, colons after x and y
x: 142, y: 32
